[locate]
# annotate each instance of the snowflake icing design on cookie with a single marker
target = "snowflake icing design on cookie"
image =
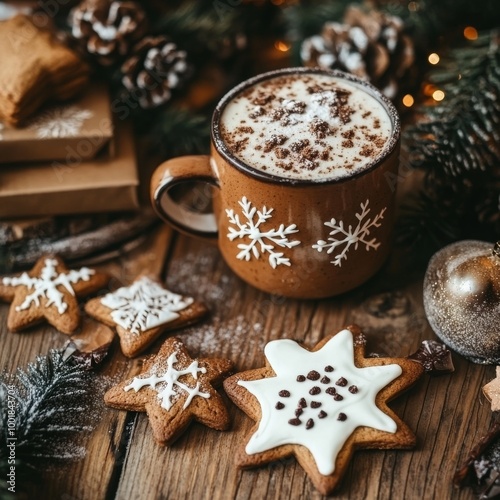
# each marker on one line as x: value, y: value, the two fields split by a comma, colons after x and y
x: 339, y: 235
x: 46, y: 285
x: 260, y: 242
x: 317, y: 399
x: 144, y: 305
x: 169, y: 385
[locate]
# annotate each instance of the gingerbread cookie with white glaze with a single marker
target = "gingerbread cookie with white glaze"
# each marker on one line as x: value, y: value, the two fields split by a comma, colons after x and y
x: 321, y: 405
x: 142, y: 311
x: 49, y: 291
x: 175, y: 389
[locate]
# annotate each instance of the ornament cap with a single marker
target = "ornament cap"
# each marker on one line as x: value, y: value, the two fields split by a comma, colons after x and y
x: 496, y: 249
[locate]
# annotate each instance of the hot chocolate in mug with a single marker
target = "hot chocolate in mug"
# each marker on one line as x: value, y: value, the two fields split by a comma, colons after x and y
x: 302, y: 163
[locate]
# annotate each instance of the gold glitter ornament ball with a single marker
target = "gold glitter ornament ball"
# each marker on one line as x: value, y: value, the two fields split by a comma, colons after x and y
x: 462, y: 299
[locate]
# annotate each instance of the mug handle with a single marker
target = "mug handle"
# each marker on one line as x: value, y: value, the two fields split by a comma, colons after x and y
x: 178, y: 171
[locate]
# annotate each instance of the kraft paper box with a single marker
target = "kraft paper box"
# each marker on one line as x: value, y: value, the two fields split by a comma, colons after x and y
x: 80, y: 128
x: 68, y: 187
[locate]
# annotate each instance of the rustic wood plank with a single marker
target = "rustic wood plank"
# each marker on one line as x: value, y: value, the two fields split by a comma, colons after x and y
x: 447, y: 413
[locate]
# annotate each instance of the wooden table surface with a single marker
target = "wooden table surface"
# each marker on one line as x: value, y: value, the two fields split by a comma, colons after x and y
x: 447, y: 413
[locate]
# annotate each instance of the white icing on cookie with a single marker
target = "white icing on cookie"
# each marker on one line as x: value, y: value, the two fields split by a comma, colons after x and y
x: 46, y: 285
x: 144, y: 305
x: 170, y: 387
x: 309, y: 404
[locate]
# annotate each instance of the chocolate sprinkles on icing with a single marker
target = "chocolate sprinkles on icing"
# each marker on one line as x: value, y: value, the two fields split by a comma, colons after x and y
x: 313, y: 375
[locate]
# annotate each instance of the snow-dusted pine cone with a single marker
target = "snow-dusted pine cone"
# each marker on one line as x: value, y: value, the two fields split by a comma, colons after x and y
x: 156, y: 67
x: 107, y: 29
x: 371, y: 45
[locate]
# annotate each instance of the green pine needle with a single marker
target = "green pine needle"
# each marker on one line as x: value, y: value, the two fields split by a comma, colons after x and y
x: 178, y: 132
x: 198, y: 26
x: 52, y: 410
x: 457, y: 144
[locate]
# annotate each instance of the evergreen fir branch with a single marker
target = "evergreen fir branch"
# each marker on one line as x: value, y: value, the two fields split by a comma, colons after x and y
x: 457, y: 144
x: 307, y: 18
x: 461, y: 134
x: 198, y: 26
x: 51, y: 407
x: 425, y: 224
x: 178, y: 132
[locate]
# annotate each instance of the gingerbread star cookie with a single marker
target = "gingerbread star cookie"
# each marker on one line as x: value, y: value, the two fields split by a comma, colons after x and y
x: 321, y: 405
x: 492, y: 391
x: 49, y: 291
x: 142, y: 311
x: 174, y: 389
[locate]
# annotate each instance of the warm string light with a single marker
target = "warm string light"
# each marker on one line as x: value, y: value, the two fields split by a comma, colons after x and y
x: 470, y: 33
x: 408, y: 100
x: 433, y: 58
x: 282, y: 46
x: 438, y: 95
x: 432, y: 91
x: 413, y: 6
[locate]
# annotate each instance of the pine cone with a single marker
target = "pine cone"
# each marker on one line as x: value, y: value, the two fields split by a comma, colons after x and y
x: 107, y: 29
x: 370, y: 45
x: 156, y: 67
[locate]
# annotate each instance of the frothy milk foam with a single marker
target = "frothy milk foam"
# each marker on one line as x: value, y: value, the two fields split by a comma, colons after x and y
x: 306, y: 126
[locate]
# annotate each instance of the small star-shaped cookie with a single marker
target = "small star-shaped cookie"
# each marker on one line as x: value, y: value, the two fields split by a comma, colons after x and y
x: 492, y: 391
x: 142, y: 311
x: 321, y: 405
x: 49, y: 291
x: 174, y: 389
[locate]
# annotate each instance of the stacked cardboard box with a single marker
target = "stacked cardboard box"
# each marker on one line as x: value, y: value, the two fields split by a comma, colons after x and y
x: 68, y: 158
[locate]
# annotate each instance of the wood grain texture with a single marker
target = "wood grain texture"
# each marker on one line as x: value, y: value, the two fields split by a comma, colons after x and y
x: 447, y: 413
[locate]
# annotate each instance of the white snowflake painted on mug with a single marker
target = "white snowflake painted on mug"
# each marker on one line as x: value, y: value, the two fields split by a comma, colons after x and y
x: 60, y: 121
x: 347, y: 237
x: 259, y: 241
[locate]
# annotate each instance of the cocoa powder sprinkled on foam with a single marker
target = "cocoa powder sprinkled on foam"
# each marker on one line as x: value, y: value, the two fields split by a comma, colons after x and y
x: 275, y: 140
x: 281, y: 153
x: 366, y: 151
x: 244, y: 130
x: 317, y: 118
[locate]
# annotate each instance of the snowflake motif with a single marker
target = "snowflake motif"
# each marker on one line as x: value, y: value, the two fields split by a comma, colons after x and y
x: 144, y: 305
x: 351, y: 236
x: 61, y: 121
x: 260, y: 241
x: 46, y: 285
x: 170, y: 383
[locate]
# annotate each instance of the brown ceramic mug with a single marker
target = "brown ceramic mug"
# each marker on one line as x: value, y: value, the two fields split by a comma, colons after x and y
x: 305, y: 207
